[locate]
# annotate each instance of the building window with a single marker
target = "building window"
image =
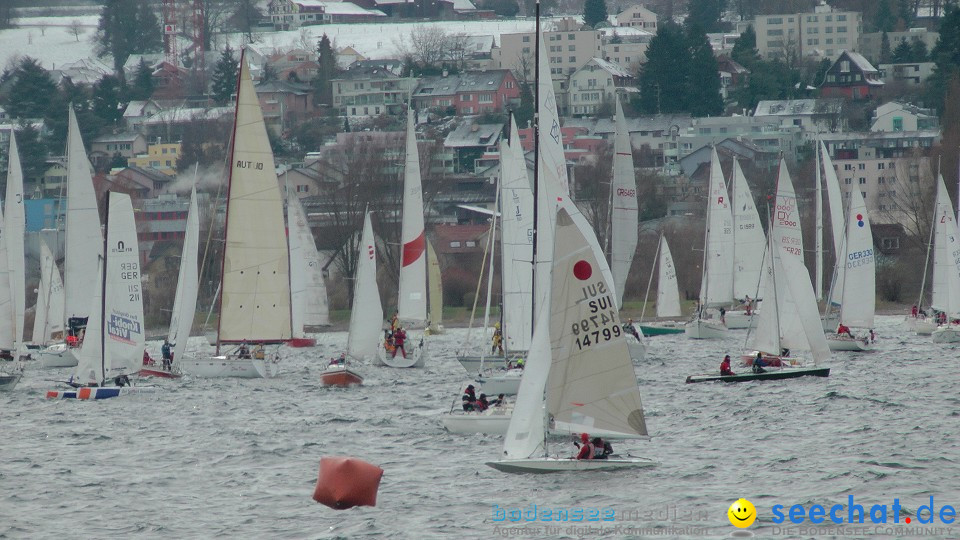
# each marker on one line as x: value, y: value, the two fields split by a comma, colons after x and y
x: 303, y: 188
x: 847, y: 181
x: 454, y: 244
x: 471, y: 243
x: 847, y: 167
x: 862, y: 166
x: 863, y: 180
x: 573, y: 58
x: 890, y: 243
x: 897, y: 123
x: 881, y: 179
x: 571, y: 37
x: 777, y: 32
x: 881, y: 165
x: 841, y: 29
x: 571, y: 48
x: 526, y: 39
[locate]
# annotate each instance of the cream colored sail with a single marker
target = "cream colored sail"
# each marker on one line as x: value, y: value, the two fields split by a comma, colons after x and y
x: 668, y: 293
x: 366, y: 314
x: 749, y: 241
x: 835, y: 204
x: 412, y: 301
x: 48, y: 317
x: 625, y: 213
x: 591, y: 385
x: 313, y: 309
x: 255, y: 298
x: 717, y: 289
x: 435, y: 280
x: 516, y: 236
x: 84, y: 243
x: 946, y: 242
x: 188, y: 283
x: 858, y: 295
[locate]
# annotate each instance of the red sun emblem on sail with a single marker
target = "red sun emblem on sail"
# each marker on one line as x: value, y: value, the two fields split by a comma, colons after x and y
x: 582, y: 270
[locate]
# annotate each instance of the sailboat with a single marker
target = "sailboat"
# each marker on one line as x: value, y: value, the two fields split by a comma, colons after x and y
x: 945, y: 295
x: 185, y: 300
x: 716, y: 288
x: 83, y: 250
x: 48, y: 314
x: 255, y: 285
x: 516, y: 254
x: 668, y: 293
x: 13, y: 291
x: 579, y: 374
x: 307, y: 288
x: 858, y: 296
x: 837, y: 224
x: 113, y: 348
x: 412, y: 296
x: 366, y: 314
x: 435, y: 292
x: 748, y: 245
x: 790, y: 322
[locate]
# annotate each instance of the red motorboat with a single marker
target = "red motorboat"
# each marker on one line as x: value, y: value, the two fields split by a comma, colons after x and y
x: 301, y: 342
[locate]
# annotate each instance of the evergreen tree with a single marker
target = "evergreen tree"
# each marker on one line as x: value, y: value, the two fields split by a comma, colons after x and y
x: 32, y: 91
x: 149, y: 31
x: 745, y: 48
x: 33, y: 152
x: 884, y: 20
x: 106, y: 100
x: 127, y: 27
x: 918, y: 50
x: 142, y: 87
x: 224, y: 77
x: 524, y: 113
x: 346, y: 125
x: 56, y: 118
x: 904, y: 14
x: 322, y: 86
x: 902, y: 53
x: 706, y: 14
x: 946, y: 54
x: 594, y: 12
x: 885, y: 54
x: 663, y: 80
x: 769, y: 80
x: 703, y: 76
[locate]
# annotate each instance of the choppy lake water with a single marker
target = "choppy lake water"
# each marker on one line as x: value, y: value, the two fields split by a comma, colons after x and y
x: 212, y: 458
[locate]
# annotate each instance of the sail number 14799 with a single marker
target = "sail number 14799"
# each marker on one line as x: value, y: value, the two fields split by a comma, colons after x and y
x: 596, y: 329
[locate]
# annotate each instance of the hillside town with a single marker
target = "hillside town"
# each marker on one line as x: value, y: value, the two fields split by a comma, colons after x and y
x: 878, y: 88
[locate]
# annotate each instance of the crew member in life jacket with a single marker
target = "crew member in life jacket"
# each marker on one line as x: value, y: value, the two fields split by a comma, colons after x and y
x: 601, y: 448
x: 469, y: 399
x: 629, y: 327
x: 586, y: 448
x: 725, y: 366
x: 72, y: 341
x: 167, y: 355
x: 497, y: 340
x: 399, y: 338
x: 842, y: 329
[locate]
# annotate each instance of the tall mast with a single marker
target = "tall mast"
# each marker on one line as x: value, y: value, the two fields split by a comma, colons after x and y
x: 536, y: 161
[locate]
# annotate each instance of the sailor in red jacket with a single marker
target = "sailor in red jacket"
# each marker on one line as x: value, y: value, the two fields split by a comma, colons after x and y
x: 586, y: 448
x: 725, y: 366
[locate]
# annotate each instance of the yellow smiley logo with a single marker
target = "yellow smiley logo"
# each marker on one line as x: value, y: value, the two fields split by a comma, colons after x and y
x: 742, y: 513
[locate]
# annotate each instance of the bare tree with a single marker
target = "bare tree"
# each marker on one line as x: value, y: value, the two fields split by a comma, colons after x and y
x: 76, y: 28
x: 426, y: 45
x: 911, y: 195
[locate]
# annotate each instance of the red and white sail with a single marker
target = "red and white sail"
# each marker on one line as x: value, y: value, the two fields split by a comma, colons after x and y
x: 412, y: 303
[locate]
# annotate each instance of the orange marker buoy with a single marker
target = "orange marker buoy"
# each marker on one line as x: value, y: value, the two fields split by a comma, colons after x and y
x: 347, y: 482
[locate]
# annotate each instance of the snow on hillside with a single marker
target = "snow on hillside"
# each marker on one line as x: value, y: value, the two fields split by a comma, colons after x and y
x: 55, y: 45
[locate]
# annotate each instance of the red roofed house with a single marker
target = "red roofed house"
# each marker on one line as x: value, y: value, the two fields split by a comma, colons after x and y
x: 473, y: 92
x: 851, y: 76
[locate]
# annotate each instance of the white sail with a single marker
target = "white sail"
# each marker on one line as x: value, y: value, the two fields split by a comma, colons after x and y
x: 835, y: 204
x: 255, y: 298
x: 311, y: 308
x: 766, y: 337
x: 84, y: 243
x: 7, y: 320
x: 48, y: 317
x: 818, y: 229
x: 516, y: 235
x: 188, y: 283
x: 591, y: 385
x: 859, y: 295
x: 366, y: 315
x: 14, y: 222
x: 90, y: 365
x: 412, y: 302
x: 624, y: 214
x: 717, y: 289
x: 123, y: 330
x: 749, y: 241
x: 668, y: 293
x: 435, y: 281
x: 946, y: 274
x: 788, y: 239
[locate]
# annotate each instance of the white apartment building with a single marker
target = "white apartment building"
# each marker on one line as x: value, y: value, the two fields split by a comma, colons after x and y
x: 823, y: 33
x: 637, y: 17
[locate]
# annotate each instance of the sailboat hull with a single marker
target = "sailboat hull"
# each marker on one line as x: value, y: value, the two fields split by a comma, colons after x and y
x: 340, y: 376
x: 302, y: 342
x: 494, y: 421
x: 473, y: 363
x: 923, y: 327
x: 56, y: 356
x: 844, y: 343
x: 946, y: 334
x: 507, y: 383
x: 9, y: 381
x: 790, y: 373
x: 649, y: 331
x: 705, y: 329
x: 153, y: 371
x: 638, y: 351
x: 414, y: 358
x: 550, y: 465
x: 100, y: 393
x: 739, y: 320
x: 222, y: 367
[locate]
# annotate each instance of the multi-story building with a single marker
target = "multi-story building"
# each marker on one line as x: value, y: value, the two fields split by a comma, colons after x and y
x: 909, y: 73
x: 625, y: 46
x: 126, y: 145
x: 895, y: 117
x: 568, y: 48
x: 472, y: 92
x: 886, y: 167
x: 656, y: 136
x: 160, y: 157
x: 370, y: 90
x: 595, y: 84
x: 292, y: 14
x: 813, y: 116
x: 767, y: 134
x: 283, y: 101
x: 823, y: 33
x: 872, y: 42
